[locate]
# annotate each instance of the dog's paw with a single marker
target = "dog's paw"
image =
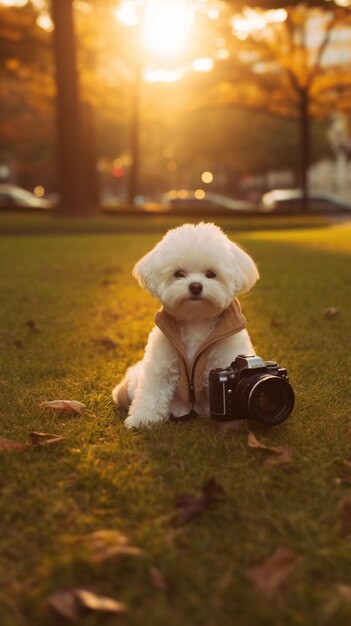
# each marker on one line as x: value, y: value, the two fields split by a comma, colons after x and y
x: 133, y: 422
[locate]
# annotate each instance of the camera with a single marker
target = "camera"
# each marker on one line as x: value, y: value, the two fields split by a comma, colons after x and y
x: 251, y: 388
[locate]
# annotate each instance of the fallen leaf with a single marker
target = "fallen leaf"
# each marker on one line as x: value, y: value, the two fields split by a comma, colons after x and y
x: 65, y: 603
x: 213, y: 491
x: 105, y: 544
x: 346, y: 517
x: 95, y: 602
x: 278, y: 454
x: 7, y: 445
x: 343, y: 480
x: 71, y: 406
x: 44, y: 439
x: 340, y: 594
x: 344, y: 592
x: 190, y: 505
x: 270, y: 577
x: 330, y: 312
x: 69, y: 603
x: 276, y: 323
x: 158, y: 579
x: 35, y: 439
x: 32, y: 326
x: 105, y: 342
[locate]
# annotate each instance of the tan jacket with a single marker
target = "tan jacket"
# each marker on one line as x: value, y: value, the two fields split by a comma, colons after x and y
x: 191, y: 375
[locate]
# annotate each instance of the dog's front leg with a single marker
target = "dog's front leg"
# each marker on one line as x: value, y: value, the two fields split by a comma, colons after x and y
x: 157, y: 382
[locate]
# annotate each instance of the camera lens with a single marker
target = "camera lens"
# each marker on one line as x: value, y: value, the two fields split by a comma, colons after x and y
x: 270, y: 400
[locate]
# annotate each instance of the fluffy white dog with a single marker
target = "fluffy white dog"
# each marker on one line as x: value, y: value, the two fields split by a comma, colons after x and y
x: 196, y: 272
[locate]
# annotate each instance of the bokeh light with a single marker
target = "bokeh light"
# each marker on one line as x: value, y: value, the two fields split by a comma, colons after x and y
x: 207, y: 177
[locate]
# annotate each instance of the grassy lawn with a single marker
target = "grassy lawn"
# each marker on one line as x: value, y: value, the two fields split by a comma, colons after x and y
x: 76, y: 291
x: 20, y: 222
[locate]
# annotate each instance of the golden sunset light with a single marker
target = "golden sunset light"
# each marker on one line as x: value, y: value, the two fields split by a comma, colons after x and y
x: 164, y: 24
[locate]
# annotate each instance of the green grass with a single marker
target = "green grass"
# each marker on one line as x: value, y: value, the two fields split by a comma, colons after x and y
x: 25, y: 222
x: 78, y: 288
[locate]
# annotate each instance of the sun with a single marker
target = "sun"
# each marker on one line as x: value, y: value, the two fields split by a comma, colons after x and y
x: 166, y: 25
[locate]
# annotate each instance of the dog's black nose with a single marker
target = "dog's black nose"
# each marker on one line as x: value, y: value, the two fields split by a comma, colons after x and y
x: 195, y: 288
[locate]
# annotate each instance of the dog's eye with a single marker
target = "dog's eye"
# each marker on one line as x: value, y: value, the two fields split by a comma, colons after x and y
x: 210, y: 274
x: 180, y: 274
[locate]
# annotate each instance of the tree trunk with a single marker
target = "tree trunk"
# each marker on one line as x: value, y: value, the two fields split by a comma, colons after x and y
x: 133, y: 185
x: 71, y: 162
x: 92, y: 182
x: 305, y: 147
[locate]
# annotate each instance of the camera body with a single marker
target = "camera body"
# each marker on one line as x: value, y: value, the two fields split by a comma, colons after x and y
x: 251, y: 388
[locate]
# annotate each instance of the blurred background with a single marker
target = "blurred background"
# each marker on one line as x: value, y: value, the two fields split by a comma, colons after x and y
x: 168, y: 104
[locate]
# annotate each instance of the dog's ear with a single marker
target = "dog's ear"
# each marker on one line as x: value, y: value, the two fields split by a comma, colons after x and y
x: 244, y: 269
x: 143, y: 271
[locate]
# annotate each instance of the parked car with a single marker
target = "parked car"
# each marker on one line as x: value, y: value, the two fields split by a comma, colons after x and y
x: 200, y: 200
x: 12, y: 196
x: 291, y: 200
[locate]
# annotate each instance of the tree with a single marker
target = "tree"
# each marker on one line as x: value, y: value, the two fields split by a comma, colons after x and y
x: 71, y: 164
x: 286, y: 72
x: 27, y: 87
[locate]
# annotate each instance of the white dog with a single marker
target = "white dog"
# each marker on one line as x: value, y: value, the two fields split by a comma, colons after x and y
x: 196, y: 272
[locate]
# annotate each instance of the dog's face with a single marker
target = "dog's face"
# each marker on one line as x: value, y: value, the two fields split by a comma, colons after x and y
x: 195, y: 270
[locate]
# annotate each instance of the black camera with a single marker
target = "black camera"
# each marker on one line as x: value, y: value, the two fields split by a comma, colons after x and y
x: 253, y: 389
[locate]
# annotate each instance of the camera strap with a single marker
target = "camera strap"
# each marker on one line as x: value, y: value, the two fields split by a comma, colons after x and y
x: 184, y: 418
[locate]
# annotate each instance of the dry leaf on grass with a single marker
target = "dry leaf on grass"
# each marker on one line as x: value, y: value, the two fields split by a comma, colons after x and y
x: 32, y: 326
x: 105, y: 342
x: 158, y: 580
x: 95, y: 602
x: 71, y: 406
x: 344, y: 592
x: 65, y: 603
x: 277, y: 454
x: 191, y: 505
x: 330, y: 312
x: 271, y: 576
x: 105, y: 544
x: 35, y: 440
x: 44, y: 439
x: 70, y: 603
x: 7, y: 445
x: 340, y: 595
x: 276, y: 323
x: 343, y: 480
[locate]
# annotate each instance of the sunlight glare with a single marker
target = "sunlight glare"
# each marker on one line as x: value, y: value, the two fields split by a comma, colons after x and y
x: 251, y: 20
x: 14, y: 3
x: 163, y: 75
x: 127, y: 13
x: 166, y: 25
x: 204, y: 64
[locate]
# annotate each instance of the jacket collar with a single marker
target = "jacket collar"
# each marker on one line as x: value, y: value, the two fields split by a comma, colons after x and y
x: 230, y: 321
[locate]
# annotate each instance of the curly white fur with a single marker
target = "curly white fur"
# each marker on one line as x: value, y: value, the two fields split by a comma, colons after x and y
x: 200, y: 254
